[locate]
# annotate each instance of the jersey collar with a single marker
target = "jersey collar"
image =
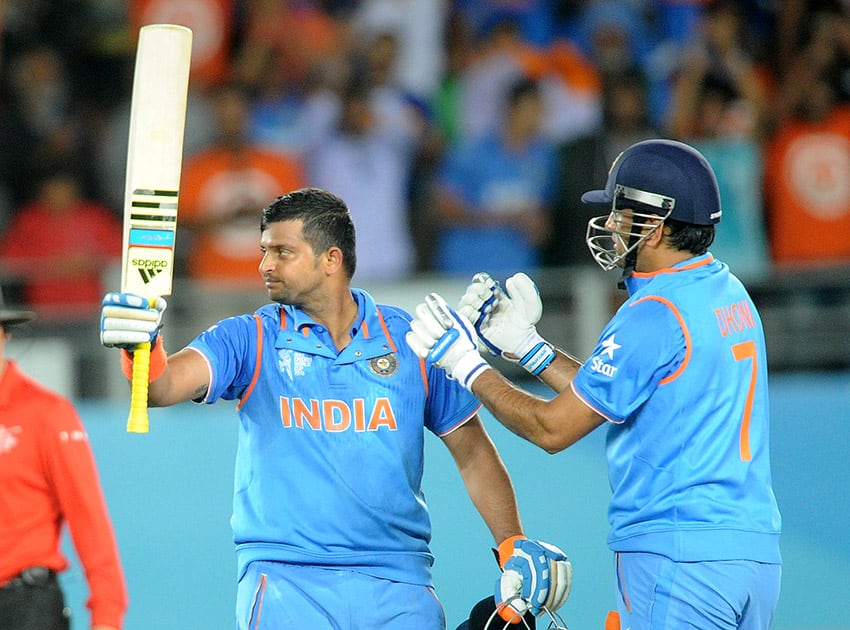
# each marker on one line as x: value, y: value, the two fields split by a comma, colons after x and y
x: 293, y: 318
x: 370, y: 337
x: 637, y: 280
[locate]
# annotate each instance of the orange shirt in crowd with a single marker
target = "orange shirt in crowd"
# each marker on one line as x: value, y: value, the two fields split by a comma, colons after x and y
x: 807, y: 190
x: 222, y: 194
x: 211, y: 22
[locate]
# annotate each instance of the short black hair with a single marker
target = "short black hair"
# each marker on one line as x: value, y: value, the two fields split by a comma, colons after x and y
x: 683, y: 236
x: 327, y: 221
x: 690, y: 237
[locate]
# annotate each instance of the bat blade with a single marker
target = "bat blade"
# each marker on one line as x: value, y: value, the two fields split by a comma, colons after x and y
x: 154, y: 158
x: 151, y: 194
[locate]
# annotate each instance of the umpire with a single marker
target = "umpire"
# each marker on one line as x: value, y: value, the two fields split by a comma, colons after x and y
x: 48, y: 479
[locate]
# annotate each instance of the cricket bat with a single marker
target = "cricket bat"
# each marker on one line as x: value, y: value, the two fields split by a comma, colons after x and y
x: 154, y: 159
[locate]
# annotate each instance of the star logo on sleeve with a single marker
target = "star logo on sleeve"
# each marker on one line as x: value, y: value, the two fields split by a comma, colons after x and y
x: 609, y: 346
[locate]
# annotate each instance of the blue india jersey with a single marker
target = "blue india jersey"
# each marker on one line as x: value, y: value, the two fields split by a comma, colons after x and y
x: 680, y: 372
x: 329, y: 460
x: 494, y: 179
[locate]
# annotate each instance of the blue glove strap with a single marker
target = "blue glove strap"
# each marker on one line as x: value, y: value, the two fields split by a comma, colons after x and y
x: 493, y: 349
x: 443, y: 344
x: 538, y: 358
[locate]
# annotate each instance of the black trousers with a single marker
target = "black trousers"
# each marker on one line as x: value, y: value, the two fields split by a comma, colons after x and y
x: 33, y: 601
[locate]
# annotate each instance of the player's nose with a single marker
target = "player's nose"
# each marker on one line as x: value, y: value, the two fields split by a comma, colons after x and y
x: 264, y: 265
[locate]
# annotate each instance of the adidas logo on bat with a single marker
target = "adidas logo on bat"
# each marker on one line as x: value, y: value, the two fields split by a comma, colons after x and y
x: 149, y: 268
x: 148, y: 274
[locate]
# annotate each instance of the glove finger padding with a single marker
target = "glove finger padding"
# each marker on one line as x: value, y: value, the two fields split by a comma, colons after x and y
x: 435, y: 322
x: 509, y: 600
x: 444, y: 324
x: 419, y: 340
x: 524, y: 294
x: 537, y: 576
x: 127, y: 319
x: 479, y: 298
x: 123, y: 338
x: 425, y: 331
x: 560, y: 576
x: 441, y: 335
x: 475, y: 305
x: 560, y: 583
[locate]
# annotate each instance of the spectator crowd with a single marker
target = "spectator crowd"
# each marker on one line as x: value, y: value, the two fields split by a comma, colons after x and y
x: 450, y: 127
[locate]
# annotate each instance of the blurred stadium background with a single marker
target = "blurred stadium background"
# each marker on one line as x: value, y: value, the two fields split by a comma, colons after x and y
x: 64, y: 79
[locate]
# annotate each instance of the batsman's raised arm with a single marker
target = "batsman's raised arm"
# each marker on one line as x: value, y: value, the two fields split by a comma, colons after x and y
x: 128, y: 320
x: 186, y: 377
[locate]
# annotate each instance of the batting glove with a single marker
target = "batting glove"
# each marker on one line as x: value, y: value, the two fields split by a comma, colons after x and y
x: 537, y: 576
x: 439, y: 334
x: 126, y: 320
x: 505, y: 320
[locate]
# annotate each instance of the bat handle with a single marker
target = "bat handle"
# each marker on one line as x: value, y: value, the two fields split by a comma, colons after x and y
x: 138, y: 420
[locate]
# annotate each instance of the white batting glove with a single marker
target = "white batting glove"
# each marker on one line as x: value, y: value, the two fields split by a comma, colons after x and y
x: 505, y: 320
x: 126, y: 320
x: 439, y: 334
x: 475, y: 305
x: 537, y: 576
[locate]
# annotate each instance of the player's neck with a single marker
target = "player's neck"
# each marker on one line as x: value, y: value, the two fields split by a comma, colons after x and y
x: 339, y: 315
x: 651, y: 259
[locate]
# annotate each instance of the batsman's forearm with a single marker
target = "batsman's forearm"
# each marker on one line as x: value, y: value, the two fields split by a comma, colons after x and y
x: 158, y: 391
x: 553, y: 425
x: 186, y: 377
x: 561, y: 372
x: 499, y: 512
x: 513, y: 407
x: 491, y: 491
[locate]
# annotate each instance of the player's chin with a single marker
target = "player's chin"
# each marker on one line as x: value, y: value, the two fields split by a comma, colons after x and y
x: 276, y: 291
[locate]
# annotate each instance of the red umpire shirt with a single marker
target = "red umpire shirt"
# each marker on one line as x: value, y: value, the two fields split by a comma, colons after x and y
x: 48, y: 478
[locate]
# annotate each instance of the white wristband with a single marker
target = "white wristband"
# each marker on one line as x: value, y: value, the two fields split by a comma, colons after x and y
x: 535, y: 353
x: 468, y: 368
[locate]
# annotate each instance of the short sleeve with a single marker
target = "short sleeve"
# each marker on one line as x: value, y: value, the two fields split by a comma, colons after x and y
x: 230, y: 347
x: 642, y: 344
x: 449, y: 404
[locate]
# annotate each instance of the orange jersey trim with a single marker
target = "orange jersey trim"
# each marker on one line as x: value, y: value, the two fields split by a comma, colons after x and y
x: 694, y: 265
x: 685, y: 332
x: 424, y: 372
x: 386, y: 331
x: 257, y: 363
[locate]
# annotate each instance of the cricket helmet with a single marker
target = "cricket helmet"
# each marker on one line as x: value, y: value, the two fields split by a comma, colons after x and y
x: 652, y: 179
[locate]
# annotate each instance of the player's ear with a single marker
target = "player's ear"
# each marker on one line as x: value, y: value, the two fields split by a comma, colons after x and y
x: 333, y: 260
x: 657, y: 236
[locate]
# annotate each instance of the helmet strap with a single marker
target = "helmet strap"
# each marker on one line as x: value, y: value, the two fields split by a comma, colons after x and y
x: 629, y: 261
x: 629, y: 264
